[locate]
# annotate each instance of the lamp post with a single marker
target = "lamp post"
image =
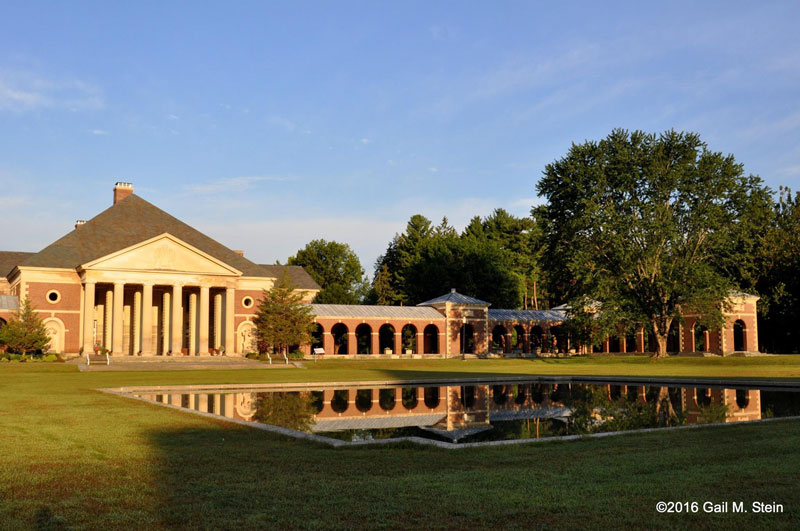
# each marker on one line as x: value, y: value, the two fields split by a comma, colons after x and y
x: 463, y: 333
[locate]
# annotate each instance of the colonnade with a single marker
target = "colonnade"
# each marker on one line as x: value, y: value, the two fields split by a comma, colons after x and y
x: 175, y: 329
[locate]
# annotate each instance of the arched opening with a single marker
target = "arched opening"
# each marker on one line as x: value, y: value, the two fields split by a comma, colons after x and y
x: 364, y: 339
x: 431, y: 397
x: 537, y: 337
x: 560, y: 393
x: 386, y: 339
x: 431, y: 334
x: 521, y: 394
x: 518, y: 338
x: 633, y: 393
x: 468, y: 396
x: 537, y: 393
x: 364, y: 400
x: 614, y: 392
x: 409, y: 334
x: 652, y: 343
x: 339, y: 400
x: 316, y: 401
x: 499, y: 338
x: 499, y: 394
x: 613, y: 344
x: 339, y: 333
x: 742, y: 398
x: 466, y: 339
x: 409, y: 397
x: 674, y: 337
x: 700, y: 338
x: 559, y: 339
x: 386, y: 399
x: 702, y: 396
x: 738, y: 335
x: 630, y: 342
x: 316, y: 337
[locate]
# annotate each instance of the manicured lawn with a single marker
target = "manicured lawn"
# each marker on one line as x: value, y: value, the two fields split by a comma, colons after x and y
x: 73, y: 457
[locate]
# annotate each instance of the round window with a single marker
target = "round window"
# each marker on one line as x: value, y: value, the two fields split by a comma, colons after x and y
x: 53, y: 296
x: 247, y: 302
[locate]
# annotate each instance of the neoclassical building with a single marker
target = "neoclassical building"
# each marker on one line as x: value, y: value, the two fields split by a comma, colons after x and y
x: 135, y: 281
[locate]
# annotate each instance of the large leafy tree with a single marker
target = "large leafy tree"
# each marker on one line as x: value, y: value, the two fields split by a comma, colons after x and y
x: 25, y: 332
x: 779, y: 283
x: 282, y: 320
x: 638, y: 222
x: 337, y: 270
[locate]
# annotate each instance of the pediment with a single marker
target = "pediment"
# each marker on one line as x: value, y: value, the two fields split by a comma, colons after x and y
x: 163, y: 253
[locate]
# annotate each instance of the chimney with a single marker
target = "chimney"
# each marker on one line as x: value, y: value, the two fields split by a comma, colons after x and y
x: 121, y: 191
x: 240, y: 253
x: 452, y: 290
x: 79, y: 223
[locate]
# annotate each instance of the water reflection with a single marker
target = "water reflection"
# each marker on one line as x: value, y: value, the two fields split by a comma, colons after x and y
x: 487, y: 412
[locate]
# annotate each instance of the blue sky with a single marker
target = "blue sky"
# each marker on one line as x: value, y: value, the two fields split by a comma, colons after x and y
x: 267, y: 125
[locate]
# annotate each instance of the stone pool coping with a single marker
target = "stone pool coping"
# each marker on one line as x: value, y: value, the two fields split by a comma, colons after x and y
x: 126, y: 392
x: 769, y: 385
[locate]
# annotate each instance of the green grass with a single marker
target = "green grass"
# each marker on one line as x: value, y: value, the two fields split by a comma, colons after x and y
x: 73, y: 457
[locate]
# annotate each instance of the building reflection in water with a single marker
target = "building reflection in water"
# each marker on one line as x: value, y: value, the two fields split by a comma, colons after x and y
x: 457, y: 411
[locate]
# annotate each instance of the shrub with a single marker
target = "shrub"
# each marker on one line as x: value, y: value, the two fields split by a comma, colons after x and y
x: 51, y: 358
x: 296, y: 355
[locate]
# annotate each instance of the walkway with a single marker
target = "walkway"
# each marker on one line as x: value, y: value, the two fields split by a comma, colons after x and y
x: 180, y: 364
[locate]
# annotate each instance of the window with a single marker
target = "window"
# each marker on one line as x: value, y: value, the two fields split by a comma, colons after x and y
x: 53, y: 296
x: 247, y: 302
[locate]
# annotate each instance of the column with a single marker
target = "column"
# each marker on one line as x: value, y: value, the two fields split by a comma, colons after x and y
x: 177, y: 319
x: 116, y: 334
x: 398, y: 341
x: 147, y: 320
x: 137, y: 322
x: 107, y: 310
x: 230, y: 333
x: 508, y: 347
x: 352, y: 344
x: 376, y: 344
x: 88, y: 318
x: 218, y: 321
x: 328, y: 343
x: 192, y: 324
x: 166, y: 302
x: 203, y: 337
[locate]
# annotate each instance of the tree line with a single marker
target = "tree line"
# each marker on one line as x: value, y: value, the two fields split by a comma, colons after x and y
x: 634, y: 229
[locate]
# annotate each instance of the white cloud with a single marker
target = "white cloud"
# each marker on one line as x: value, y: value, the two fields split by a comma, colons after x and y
x: 365, y: 140
x: 14, y: 201
x: 99, y: 132
x: 173, y: 117
x: 433, y: 169
x: 234, y: 184
x: 23, y: 91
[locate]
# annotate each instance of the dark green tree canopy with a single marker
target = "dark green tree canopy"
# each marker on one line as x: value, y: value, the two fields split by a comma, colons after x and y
x: 337, y: 270
x: 644, y: 223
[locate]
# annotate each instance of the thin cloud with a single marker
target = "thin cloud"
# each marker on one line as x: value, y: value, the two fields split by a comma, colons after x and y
x: 99, y: 132
x: 234, y: 184
x: 365, y: 140
x: 22, y: 92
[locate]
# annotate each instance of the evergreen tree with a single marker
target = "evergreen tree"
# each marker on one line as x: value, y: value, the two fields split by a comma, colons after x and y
x: 282, y: 320
x: 25, y: 332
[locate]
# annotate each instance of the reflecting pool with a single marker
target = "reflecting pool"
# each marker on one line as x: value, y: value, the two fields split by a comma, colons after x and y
x: 475, y: 412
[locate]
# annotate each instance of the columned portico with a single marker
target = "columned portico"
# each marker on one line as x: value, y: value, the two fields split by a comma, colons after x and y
x: 176, y: 328
x: 147, y: 320
x: 116, y: 319
x: 204, y: 314
x: 88, y: 317
x: 230, y: 332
